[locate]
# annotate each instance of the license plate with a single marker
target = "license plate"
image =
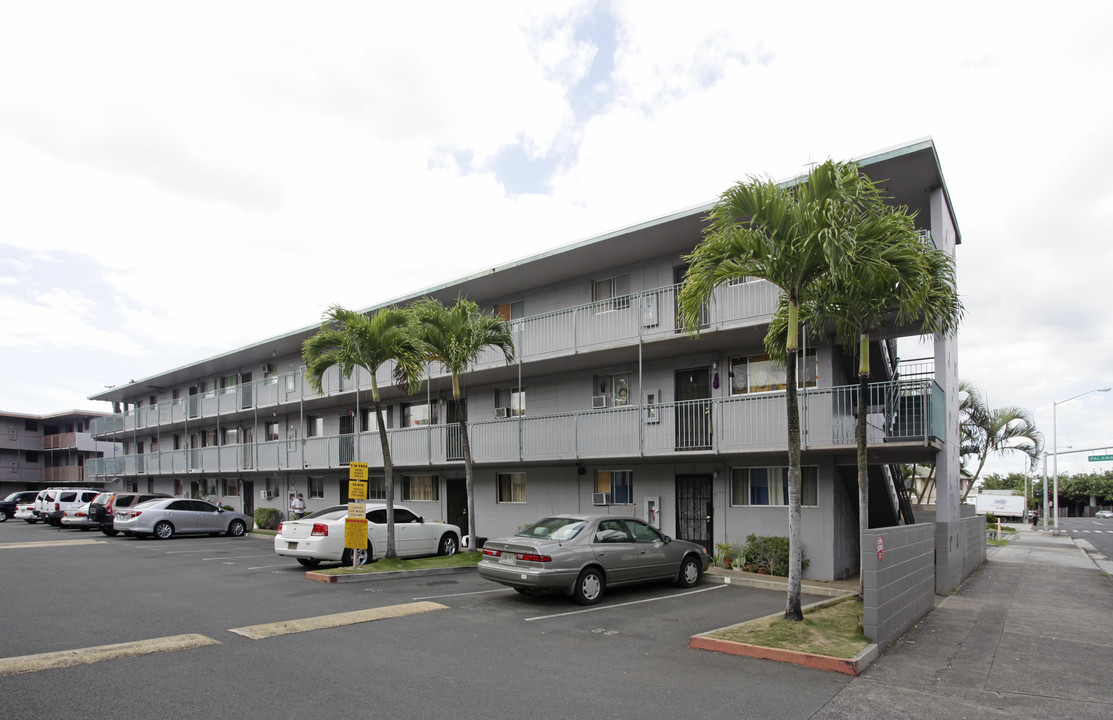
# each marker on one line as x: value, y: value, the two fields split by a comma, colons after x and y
x: 291, y: 546
x: 507, y: 558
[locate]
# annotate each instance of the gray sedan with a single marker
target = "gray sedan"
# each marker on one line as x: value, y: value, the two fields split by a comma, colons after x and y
x: 581, y: 555
x: 167, y: 517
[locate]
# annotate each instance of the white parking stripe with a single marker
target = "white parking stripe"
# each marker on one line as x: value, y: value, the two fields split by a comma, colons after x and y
x: 237, y: 557
x: 87, y: 656
x: 477, y: 592
x: 50, y: 543
x: 633, y: 602
x: 289, y: 627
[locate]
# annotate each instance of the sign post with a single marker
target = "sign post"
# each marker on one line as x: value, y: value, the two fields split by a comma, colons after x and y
x: 355, y: 526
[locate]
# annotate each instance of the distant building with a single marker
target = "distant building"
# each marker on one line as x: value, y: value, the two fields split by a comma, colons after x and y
x: 607, y: 408
x: 38, y: 451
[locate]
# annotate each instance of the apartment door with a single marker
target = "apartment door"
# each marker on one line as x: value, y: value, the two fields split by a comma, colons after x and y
x: 454, y: 442
x: 456, y: 503
x: 249, y: 497
x: 695, y: 510
x: 246, y: 399
x: 193, y: 402
x: 693, y: 409
x: 347, y: 438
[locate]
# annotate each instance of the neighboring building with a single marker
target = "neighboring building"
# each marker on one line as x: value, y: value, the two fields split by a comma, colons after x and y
x: 38, y: 451
x: 607, y: 408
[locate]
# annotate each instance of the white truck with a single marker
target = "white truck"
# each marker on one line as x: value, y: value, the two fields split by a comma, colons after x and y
x: 1002, y: 506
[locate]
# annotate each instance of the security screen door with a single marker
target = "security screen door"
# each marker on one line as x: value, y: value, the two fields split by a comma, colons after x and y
x: 695, y: 510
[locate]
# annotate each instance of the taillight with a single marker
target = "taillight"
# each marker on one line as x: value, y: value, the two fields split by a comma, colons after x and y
x: 491, y: 553
x: 533, y: 558
x: 57, y: 506
x: 280, y: 528
x: 319, y: 529
x: 133, y: 514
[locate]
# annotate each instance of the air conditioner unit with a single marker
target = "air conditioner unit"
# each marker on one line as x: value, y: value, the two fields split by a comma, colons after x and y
x: 266, y: 368
x: 502, y: 412
x: 267, y: 494
x: 600, y: 498
x: 598, y: 401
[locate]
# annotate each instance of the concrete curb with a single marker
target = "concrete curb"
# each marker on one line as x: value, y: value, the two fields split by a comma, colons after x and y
x: 388, y: 575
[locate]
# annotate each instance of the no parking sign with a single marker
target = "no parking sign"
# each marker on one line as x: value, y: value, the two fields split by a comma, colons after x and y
x: 880, y: 548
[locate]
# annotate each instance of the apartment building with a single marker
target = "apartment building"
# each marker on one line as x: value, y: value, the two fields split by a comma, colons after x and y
x: 607, y: 408
x: 38, y: 451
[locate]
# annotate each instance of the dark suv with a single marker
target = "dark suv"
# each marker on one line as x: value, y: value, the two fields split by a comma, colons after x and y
x: 102, y: 510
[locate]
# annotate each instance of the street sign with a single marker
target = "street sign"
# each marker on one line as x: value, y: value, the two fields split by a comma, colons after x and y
x: 357, y: 490
x: 357, y: 510
x: 355, y: 534
x: 1101, y: 458
x: 357, y: 471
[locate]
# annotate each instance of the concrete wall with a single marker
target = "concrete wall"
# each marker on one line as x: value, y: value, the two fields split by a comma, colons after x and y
x: 899, y: 586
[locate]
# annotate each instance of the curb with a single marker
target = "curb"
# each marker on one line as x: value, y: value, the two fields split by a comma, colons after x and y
x: 388, y: 575
x: 759, y: 581
x: 852, y: 666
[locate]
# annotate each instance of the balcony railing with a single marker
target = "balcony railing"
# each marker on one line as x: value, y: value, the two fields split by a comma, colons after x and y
x: 627, y: 320
x: 908, y: 411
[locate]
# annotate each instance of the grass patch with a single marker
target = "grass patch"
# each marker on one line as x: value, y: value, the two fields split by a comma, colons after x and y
x: 832, y: 630
x: 463, y: 559
x: 996, y: 543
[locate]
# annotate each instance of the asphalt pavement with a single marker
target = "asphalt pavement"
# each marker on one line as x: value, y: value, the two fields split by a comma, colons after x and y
x: 1027, y: 635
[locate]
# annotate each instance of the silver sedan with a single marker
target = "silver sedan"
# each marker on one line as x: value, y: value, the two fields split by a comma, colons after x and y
x: 167, y: 517
x: 582, y: 555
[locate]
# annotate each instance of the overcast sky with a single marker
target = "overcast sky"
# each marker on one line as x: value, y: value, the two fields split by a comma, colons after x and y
x: 178, y: 180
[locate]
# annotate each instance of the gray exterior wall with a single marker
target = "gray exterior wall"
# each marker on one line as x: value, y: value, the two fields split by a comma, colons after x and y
x: 899, y: 587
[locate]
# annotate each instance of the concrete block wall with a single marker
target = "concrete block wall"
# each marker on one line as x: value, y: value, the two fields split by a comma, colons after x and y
x: 898, y: 587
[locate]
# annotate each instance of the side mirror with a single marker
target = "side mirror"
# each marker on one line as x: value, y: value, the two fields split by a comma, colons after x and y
x: 667, y: 538
x: 420, y: 519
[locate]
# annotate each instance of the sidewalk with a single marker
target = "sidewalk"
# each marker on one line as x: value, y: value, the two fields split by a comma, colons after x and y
x: 1028, y: 635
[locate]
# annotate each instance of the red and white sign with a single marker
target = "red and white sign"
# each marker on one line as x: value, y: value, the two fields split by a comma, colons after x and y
x: 880, y: 548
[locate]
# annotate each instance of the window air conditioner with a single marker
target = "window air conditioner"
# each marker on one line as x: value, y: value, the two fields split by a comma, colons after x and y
x: 266, y: 368
x: 600, y: 498
x: 598, y: 401
x: 501, y: 412
x: 266, y: 494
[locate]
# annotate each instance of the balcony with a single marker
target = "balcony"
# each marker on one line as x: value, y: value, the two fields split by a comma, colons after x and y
x: 908, y: 412
x: 647, y: 316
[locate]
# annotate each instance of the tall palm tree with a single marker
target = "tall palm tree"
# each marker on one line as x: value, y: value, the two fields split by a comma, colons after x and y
x: 349, y: 339
x: 455, y: 336
x: 790, y: 236
x: 986, y: 430
x: 896, y: 279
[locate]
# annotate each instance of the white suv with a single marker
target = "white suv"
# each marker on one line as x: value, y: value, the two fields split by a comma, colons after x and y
x: 52, y: 503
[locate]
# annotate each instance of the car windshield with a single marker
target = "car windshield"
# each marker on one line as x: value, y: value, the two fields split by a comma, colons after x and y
x: 556, y: 528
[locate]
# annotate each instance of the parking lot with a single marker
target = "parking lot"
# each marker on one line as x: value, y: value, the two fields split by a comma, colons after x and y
x: 251, y: 629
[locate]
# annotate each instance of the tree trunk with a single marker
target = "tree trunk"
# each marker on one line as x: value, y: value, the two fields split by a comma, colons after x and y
x: 863, y: 471
x: 465, y: 444
x: 388, y: 469
x: 793, y: 609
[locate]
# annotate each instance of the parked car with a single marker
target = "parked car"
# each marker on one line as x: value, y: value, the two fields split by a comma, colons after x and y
x: 52, y: 509
x: 102, y: 510
x: 9, y: 506
x: 167, y: 517
x: 319, y: 537
x: 1104, y: 514
x: 582, y: 555
x: 77, y: 516
x: 24, y: 504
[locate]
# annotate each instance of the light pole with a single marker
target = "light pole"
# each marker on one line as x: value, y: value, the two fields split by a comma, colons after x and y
x: 1055, y: 445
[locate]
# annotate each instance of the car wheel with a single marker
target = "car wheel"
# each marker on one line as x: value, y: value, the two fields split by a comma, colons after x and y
x: 128, y: 533
x: 362, y: 556
x: 448, y: 545
x: 589, y: 587
x: 309, y: 562
x: 164, y: 530
x: 111, y: 533
x: 237, y: 528
x: 3, y: 516
x: 689, y: 572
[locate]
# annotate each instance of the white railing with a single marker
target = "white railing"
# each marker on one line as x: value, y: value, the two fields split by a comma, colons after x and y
x: 909, y: 411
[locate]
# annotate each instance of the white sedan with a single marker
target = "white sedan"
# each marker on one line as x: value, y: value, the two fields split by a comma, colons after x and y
x: 319, y: 537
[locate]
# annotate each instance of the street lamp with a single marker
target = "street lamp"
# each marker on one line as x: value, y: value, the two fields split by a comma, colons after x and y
x: 1055, y: 445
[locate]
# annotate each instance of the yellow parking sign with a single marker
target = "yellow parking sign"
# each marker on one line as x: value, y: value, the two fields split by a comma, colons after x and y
x: 357, y: 471
x: 357, y: 490
x: 355, y: 534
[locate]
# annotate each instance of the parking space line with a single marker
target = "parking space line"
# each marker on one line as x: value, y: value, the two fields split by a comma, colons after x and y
x: 50, y: 543
x: 236, y: 557
x: 632, y: 602
x: 289, y: 627
x: 87, y: 656
x: 477, y: 592
x: 264, y: 567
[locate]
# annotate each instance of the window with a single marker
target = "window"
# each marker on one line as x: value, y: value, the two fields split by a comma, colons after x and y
x: 419, y: 414
x: 210, y: 486
x: 368, y: 423
x: 614, y: 387
x: 611, y: 293
x: 227, y: 383
x: 511, y: 488
x: 642, y: 532
x: 611, y: 531
x: 769, y: 486
x: 314, y: 426
x: 316, y: 487
x: 131, y: 485
x: 419, y: 487
x: 619, y: 483
x: 511, y: 401
x: 510, y: 311
x: 270, y: 431
x: 376, y: 488
x: 229, y: 436
x: 230, y: 487
x: 758, y: 373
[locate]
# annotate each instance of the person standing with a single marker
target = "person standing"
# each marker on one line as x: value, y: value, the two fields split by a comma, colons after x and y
x: 297, y: 507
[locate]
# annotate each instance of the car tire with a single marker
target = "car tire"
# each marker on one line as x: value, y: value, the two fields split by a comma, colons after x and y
x: 362, y: 557
x: 3, y: 516
x: 164, y: 530
x: 448, y: 545
x: 111, y: 533
x: 309, y: 562
x: 237, y: 528
x: 589, y: 586
x: 689, y: 572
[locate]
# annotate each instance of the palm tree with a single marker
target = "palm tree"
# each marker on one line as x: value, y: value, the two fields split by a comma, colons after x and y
x: 349, y: 339
x: 791, y: 237
x: 455, y: 336
x: 984, y: 430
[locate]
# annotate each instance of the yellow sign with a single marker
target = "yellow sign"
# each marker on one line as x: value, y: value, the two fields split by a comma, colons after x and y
x: 357, y: 471
x: 357, y: 510
x: 355, y: 534
x: 357, y: 490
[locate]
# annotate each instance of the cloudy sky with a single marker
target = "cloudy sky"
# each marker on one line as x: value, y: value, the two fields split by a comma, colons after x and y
x: 178, y: 180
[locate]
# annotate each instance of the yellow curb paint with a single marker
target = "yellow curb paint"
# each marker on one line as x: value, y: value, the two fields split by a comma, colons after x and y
x: 289, y: 627
x: 50, y: 543
x: 87, y: 656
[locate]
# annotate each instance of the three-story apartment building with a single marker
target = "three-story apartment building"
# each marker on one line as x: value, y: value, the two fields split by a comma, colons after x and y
x: 608, y: 406
x: 38, y: 451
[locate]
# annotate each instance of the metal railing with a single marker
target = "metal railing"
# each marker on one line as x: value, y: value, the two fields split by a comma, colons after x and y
x: 907, y: 411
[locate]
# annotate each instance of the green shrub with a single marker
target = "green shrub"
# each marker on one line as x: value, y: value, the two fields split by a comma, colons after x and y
x: 770, y: 553
x: 267, y: 518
